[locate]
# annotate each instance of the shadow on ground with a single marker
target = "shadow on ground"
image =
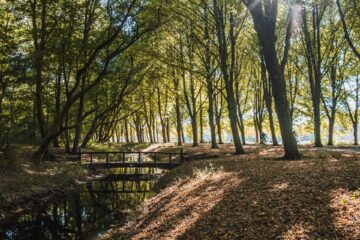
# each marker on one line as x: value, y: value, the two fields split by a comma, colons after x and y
x: 236, y: 198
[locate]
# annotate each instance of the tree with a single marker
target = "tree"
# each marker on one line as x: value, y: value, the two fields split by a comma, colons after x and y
x: 345, y: 26
x: 352, y: 104
x: 264, y: 14
x: 117, y: 39
x: 227, y: 63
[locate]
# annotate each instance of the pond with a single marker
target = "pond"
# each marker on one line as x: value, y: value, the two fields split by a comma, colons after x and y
x: 86, y: 212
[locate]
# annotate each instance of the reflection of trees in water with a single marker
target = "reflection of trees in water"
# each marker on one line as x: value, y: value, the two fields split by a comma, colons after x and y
x: 150, y: 171
x: 84, y: 212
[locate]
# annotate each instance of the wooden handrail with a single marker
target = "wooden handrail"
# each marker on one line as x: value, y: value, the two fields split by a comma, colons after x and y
x: 107, y: 162
x: 129, y: 152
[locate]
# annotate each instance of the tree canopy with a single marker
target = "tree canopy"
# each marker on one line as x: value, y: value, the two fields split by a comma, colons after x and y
x: 75, y: 72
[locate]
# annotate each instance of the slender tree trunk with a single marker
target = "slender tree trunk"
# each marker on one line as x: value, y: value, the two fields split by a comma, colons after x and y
x: 228, y: 73
x: 219, y: 130
x: 89, y: 134
x: 240, y: 118
x: 272, y: 128
x: 178, y: 120
x: 268, y: 99
x: 331, y: 131
x: 317, y: 123
x: 201, y: 126
x: 79, y: 117
x: 182, y: 132
x: 33, y: 125
x: 218, y: 113
x: 256, y: 131
x: 355, y: 127
x: 242, y: 128
x: 127, y: 138
x: 211, y: 115
x: 314, y: 68
x: 67, y: 136
x: 56, y: 143
x: 40, y: 47
x: 162, y: 120
x: 168, y: 129
x: 194, y: 131
x: 209, y: 68
x: 148, y: 121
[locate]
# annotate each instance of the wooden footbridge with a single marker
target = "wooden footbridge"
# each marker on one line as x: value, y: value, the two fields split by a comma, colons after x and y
x: 131, y: 159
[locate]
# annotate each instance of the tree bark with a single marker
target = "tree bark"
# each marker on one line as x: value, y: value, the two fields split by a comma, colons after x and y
x: 314, y: 59
x: 228, y: 72
x: 355, y: 127
x: 265, y: 28
x: 178, y: 120
x: 79, y: 117
x: 268, y: 100
x: 240, y: 118
x: 211, y: 115
x: 331, y: 131
x: 40, y: 47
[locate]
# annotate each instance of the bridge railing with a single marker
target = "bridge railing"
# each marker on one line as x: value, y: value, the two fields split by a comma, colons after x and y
x: 169, y: 159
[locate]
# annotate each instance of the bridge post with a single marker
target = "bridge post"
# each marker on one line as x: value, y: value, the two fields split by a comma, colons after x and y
x: 91, y: 158
x: 139, y: 157
x: 123, y: 157
x: 170, y: 158
x: 107, y: 159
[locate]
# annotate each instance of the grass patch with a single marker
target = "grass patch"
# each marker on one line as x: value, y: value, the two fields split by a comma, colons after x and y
x: 118, y: 146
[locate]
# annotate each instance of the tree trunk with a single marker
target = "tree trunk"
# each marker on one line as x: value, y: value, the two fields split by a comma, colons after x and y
x: 148, y: 121
x: 67, y: 136
x: 256, y: 131
x: 265, y: 29
x: 228, y: 73
x: 355, y: 127
x: 272, y: 128
x: 194, y: 131
x: 79, y: 117
x: 40, y: 47
x: 317, y: 122
x: 178, y: 120
x: 240, y: 119
x: 56, y: 143
x: 219, y: 130
x: 268, y: 99
x: 162, y: 120
x: 201, y: 126
x: 182, y: 132
x: 331, y: 131
x: 43, y: 150
x: 314, y: 69
x: 168, y: 129
x: 127, y: 138
x: 89, y: 134
x: 211, y: 115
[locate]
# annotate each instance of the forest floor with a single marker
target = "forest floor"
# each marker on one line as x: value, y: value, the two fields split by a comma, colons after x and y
x: 24, y: 182
x: 254, y: 196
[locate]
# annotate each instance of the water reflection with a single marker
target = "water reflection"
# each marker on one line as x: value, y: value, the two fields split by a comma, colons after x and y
x: 92, y: 208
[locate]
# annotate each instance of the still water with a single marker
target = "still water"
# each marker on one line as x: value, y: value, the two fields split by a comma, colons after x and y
x: 86, y: 212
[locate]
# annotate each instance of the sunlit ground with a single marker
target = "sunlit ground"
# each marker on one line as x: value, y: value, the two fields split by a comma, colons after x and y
x: 255, y: 196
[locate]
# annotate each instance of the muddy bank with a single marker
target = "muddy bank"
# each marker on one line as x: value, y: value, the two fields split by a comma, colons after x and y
x: 23, y: 188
